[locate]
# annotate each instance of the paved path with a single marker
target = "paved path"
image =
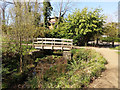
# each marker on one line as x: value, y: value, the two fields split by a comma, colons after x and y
x: 109, y: 78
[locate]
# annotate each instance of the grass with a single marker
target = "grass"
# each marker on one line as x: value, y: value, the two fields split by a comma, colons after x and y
x: 116, y: 48
x: 78, y: 73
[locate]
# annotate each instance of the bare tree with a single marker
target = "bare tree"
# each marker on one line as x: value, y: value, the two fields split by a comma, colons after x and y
x: 62, y: 8
x: 0, y: 17
x: 3, y: 6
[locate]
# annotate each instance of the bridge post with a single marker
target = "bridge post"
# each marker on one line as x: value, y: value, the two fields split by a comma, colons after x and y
x: 67, y: 55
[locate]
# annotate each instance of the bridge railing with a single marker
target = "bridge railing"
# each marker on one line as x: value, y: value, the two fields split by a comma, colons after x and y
x: 55, y: 43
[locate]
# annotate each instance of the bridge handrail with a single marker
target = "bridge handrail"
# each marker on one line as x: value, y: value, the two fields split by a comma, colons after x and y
x: 53, y: 41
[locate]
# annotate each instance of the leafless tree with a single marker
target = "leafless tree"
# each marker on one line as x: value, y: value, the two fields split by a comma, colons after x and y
x: 3, y: 6
x: 62, y: 8
x: 0, y: 17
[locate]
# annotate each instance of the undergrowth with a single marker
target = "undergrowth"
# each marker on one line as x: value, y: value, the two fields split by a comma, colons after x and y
x: 85, y: 66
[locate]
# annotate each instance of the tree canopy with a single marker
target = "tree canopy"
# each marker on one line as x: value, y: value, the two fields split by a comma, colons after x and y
x: 47, y: 8
x: 24, y: 27
x: 111, y: 29
x: 81, y: 26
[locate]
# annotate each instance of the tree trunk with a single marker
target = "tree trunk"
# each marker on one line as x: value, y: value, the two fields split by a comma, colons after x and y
x: 3, y: 10
x: 97, y: 41
x: 20, y: 49
x: 33, y: 42
x: 112, y: 43
x: 21, y: 63
x: 86, y: 43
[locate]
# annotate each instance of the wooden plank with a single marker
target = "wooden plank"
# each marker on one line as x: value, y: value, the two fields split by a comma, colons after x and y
x: 55, y: 48
x: 48, y: 42
x: 48, y: 48
x: 40, y: 45
x: 54, y: 39
x: 45, y: 38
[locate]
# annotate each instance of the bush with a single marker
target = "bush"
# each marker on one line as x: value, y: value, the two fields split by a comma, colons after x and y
x: 33, y: 83
x: 110, y: 39
x: 117, y: 40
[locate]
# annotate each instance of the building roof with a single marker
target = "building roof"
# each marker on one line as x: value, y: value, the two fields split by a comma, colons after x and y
x: 53, y: 18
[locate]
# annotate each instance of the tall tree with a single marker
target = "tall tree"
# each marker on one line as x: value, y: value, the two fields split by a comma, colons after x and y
x: 47, y: 8
x: 37, y: 15
x: 3, y: 7
x: 0, y: 17
x: 111, y: 30
x: 23, y: 27
x: 81, y: 26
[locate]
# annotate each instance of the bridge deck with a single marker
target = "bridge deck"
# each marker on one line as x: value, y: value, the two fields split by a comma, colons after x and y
x: 53, y: 47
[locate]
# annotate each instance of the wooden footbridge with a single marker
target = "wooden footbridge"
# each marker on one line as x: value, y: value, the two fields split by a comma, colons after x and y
x: 53, y: 43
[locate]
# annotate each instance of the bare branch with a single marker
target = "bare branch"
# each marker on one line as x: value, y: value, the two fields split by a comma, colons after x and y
x: 63, y: 8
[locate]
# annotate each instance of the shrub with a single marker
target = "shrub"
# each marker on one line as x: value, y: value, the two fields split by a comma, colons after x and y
x: 110, y: 39
x: 33, y: 83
